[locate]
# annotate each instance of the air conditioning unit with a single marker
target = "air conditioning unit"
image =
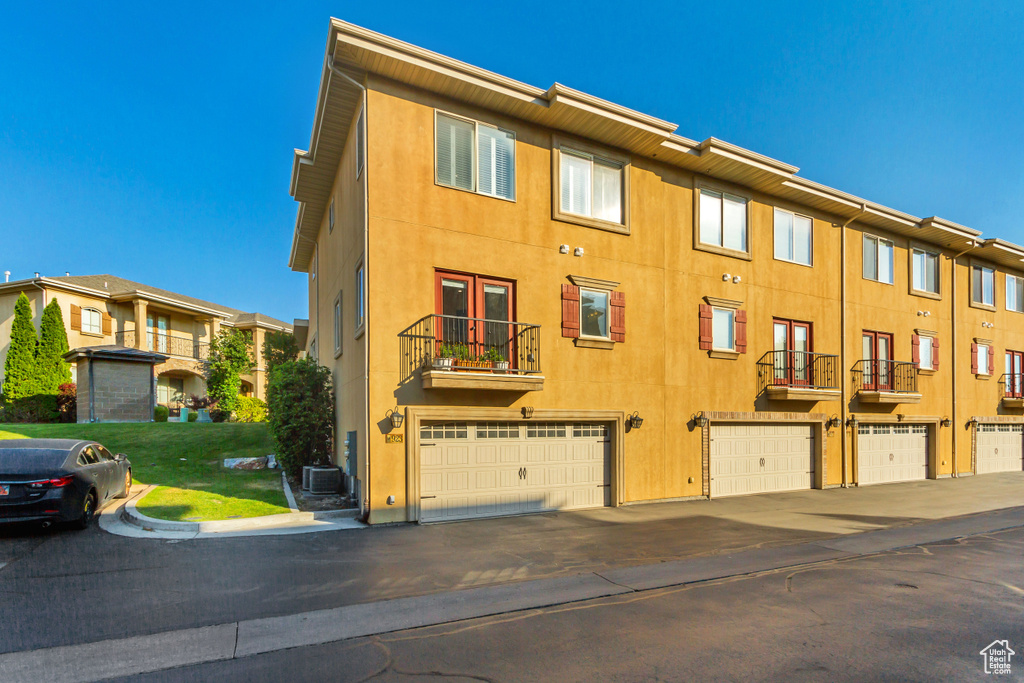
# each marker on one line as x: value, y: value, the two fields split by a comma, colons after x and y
x: 324, y: 480
x: 305, y: 477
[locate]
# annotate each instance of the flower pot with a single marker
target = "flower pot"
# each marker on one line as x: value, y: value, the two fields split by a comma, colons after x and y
x: 204, y: 415
x: 324, y: 480
x: 473, y: 364
x: 443, y: 363
x: 501, y: 366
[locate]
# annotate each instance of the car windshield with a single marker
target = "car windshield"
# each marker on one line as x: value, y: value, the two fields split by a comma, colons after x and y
x: 30, y: 460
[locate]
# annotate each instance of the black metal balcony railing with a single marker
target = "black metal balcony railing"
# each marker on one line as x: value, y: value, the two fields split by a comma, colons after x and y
x: 798, y: 369
x: 458, y: 343
x: 891, y: 376
x: 1013, y: 385
x: 185, y: 347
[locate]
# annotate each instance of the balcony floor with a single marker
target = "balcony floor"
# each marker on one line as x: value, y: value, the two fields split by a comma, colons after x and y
x: 451, y: 379
x: 888, y: 397
x: 781, y: 393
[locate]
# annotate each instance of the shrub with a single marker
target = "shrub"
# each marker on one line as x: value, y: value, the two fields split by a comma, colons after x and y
x: 279, y: 347
x: 67, y: 402
x: 301, y: 405
x: 219, y: 415
x: 195, y: 402
x: 35, y: 408
x: 230, y: 356
x: 52, y: 371
x: 193, y: 416
x: 161, y: 413
x: 250, y: 409
x: 20, y: 365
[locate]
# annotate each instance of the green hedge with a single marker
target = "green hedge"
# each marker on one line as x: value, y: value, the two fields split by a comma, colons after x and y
x: 250, y: 409
x: 160, y: 414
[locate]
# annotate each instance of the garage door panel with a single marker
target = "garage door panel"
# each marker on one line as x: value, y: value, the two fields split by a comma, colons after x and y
x: 754, y: 458
x: 999, y: 448
x: 455, y: 455
x: 892, y: 453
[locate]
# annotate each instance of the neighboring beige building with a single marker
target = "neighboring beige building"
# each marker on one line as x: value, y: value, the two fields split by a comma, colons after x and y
x: 105, y: 309
x: 780, y: 334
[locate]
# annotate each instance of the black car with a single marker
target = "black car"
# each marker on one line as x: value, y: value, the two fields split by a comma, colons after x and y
x: 59, y: 480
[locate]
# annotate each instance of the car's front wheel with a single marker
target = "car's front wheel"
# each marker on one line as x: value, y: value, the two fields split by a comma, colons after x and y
x: 127, y: 485
x: 88, y: 511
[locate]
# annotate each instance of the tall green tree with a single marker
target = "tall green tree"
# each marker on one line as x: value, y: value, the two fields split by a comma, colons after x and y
x: 279, y: 347
x: 300, y: 399
x: 230, y: 357
x: 51, y: 368
x: 20, y: 366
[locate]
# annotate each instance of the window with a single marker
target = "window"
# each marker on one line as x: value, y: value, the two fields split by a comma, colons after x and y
x: 723, y: 327
x: 474, y: 312
x: 92, y: 321
x: 360, y: 300
x: 925, y: 271
x: 793, y: 240
x: 925, y: 353
x: 876, y: 365
x: 541, y: 430
x: 312, y: 349
x: 1015, y: 293
x: 157, y: 327
x: 1014, y: 380
x: 878, y: 259
x: 593, y: 313
x: 360, y: 143
x: 983, y: 352
x: 982, y: 358
x: 791, y: 352
x: 337, y: 325
x: 330, y: 217
x: 723, y: 220
x: 474, y: 156
x: 983, y: 285
x: 590, y: 186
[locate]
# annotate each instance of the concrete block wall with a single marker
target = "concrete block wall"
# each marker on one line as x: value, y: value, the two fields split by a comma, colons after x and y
x: 121, y: 391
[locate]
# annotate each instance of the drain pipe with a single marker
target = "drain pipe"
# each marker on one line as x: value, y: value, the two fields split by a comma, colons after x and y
x: 842, y: 343
x: 952, y: 325
x: 366, y: 278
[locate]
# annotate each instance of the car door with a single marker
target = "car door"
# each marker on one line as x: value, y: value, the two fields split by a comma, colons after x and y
x: 112, y: 472
x: 94, y: 471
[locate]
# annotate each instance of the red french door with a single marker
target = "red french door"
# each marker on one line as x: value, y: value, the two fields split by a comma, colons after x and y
x: 1014, y: 368
x: 792, y: 346
x: 877, y: 356
x: 474, y: 312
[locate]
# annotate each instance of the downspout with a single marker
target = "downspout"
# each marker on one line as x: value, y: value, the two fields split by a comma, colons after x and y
x: 92, y: 389
x: 953, y: 365
x: 366, y: 278
x: 842, y: 344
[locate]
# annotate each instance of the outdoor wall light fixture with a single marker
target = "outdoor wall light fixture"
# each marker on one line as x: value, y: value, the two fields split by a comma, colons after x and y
x: 834, y: 422
x: 726, y: 277
x: 737, y: 279
x: 578, y: 252
x: 900, y: 416
x: 700, y: 420
x: 396, y: 417
x: 946, y: 422
x: 635, y: 420
x: 527, y: 412
x: 563, y: 249
x: 973, y: 422
x: 851, y: 422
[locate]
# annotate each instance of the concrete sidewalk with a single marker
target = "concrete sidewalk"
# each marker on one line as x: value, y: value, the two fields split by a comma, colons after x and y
x: 140, y: 654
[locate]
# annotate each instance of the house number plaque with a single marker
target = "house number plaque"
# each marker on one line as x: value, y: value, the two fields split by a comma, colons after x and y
x: 394, y: 438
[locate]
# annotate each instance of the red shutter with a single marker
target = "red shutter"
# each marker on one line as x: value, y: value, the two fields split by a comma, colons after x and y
x: 617, y: 313
x: 974, y: 358
x: 106, y: 323
x: 705, y: 327
x: 741, y: 331
x: 935, y: 354
x: 991, y: 359
x: 76, y: 318
x: 915, y: 349
x: 570, y: 311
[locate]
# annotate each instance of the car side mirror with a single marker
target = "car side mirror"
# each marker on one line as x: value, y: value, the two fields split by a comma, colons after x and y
x: 120, y: 456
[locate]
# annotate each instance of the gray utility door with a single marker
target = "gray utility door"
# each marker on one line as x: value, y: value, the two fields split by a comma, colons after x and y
x: 999, y: 448
x: 889, y: 453
x: 490, y: 469
x: 761, y: 458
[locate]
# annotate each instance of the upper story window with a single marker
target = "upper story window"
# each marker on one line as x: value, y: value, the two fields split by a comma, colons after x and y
x: 593, y: 312
x: 475, y: 157
x: 92, y: 321
x: 723, y: 328
x: 793, y: 237
x: 878, y: 259
x: 590, y: 186
x: 360, y: 143
x: 1015, y: 293
x: 983, y: 285
x: 360, y: 298
x: 723, y: 220
x: 924, y: 271
x: 337, y: 325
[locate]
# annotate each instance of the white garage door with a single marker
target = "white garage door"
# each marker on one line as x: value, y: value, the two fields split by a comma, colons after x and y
x: 999, y: 448
x: 755, y: 458
x: 488, y: 469
x: 889, y: 453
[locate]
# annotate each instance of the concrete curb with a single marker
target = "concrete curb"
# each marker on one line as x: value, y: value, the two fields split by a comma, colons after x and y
x: 131, y: 515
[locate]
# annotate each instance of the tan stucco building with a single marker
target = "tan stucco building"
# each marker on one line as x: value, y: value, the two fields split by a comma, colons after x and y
x: 770, y: 333
x: 108, y: 310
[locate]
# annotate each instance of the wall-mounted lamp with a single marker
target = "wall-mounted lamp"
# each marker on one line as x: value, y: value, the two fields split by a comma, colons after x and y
x: 900, y: 416
x: 851, y: 422
x: 635, y: 420
x: 700, y: 420
x: 527, y: 412
x: 397, y: 418
x: 946, y: 422
x: 973, y: 422
x: 563, y: 249
x: 833, y: 422
x: 726, y: 277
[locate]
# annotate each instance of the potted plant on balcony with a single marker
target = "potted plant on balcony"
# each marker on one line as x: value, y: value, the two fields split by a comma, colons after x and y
x: 496, y: 360
x: 444, y: 358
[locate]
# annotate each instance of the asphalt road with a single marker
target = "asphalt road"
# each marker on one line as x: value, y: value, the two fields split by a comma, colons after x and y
x: 918, y: 614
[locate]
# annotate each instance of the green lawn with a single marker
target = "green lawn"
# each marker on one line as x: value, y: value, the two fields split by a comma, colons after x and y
x: 185, y: 462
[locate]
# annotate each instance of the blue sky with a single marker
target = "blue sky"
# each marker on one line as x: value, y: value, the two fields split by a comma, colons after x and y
x: 157, y: 145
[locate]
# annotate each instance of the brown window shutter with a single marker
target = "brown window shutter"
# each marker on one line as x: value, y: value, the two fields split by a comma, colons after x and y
x: 107, y: 323
x: 991, y: 359
x: 741, y: 331
x: 915, y: 349
x: 76, y: 318
x: 570, y: 311
x: 705, y: 327
x: 617, y: 313
x: 935, y: 354
x: 974, y: 358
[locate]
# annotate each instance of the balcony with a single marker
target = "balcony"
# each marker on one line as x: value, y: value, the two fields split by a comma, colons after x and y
x: 454, y: 352
x: 1012, y: 389
x: 183, y: 347
x: 885, y: 381
x: 798, y: 376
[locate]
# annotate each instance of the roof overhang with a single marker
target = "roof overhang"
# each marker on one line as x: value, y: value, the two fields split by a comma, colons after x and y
x: 1001, y: 252
x: 167, y: 302
x: 115, y: 352
x: 50, y: 283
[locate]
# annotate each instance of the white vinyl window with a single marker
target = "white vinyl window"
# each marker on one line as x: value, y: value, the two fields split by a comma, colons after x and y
x: 925, y: 353
x: 92, y: 321
x: 723, y: 220
x: 590, y: 186
x: 925, y: 271
x: 1015, y: 293
x: 474, y: 156
x: 594, y: 313
x: 360, y: 143
x: 723, y: 329
x: 337, y: 325
x: 983, y: 285
x: 793, y: 239
x: 983, y: 351
x: 878, y: 259
x: 360, y: 299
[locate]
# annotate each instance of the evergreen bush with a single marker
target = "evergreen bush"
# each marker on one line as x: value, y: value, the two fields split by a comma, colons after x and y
x: 300, y: 400
x: 161, y: 413
x: 20, y: 365
x: 51, y: 370
x: 250, y: 409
